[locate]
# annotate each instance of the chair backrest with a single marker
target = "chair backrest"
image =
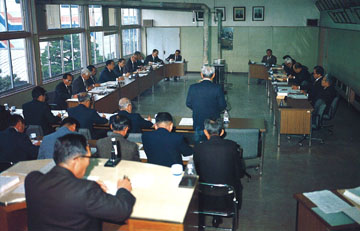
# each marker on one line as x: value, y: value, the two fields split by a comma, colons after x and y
x: 248, y: 139
x: 318, y: 113
x: 34, y: 129
x: 134, y: 137
x: 5, y: 165
x: 50, y: 97
x: 85, y: 132
x: 333, y: 108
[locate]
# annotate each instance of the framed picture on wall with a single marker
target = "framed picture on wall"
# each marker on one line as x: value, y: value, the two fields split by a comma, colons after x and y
x: 200, y: 16
x: 258, y: 13
x: 239, y: 13
x: 222, y: 9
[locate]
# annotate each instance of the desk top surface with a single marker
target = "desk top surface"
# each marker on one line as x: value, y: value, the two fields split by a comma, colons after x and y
x: 158, y: 196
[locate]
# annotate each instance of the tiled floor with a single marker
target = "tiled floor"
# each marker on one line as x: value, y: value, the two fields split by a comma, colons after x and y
x: 268, y: 202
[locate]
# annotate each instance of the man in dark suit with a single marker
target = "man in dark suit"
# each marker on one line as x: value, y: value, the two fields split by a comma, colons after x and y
x: 137, y: 123
x: 120, y: 68
x: 153, y: 58
x: 108, y: 73
x: 80, y: 84
x: 37, y: 111
x: 327, y: 93
x: 139, y: 59
x: 162, y: 146
x: 218, y: 161
x: 269, y: 59
x: 63, y: 91
x: 206, y: 100
x: 92, y: 79
x: 174, y: 58
x: 301, y: 77
x: 87, y: 116
x: 119, y: 125
x: 131, y: 65
x: 4, y: 118
x: 62, y: 200
x: 15, y: 145
x: 288, y: 65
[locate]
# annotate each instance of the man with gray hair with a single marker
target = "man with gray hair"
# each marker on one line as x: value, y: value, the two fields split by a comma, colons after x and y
x: 206, y: 100
x: 87, y: 116
x: 137, y: 123
x: 288, y: 65
x: 79, y: 84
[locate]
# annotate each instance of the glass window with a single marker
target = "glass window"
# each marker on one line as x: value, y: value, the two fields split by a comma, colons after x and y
x: 13, y: 64
x: 75, y: 18
x: 95, y: 15
x: 11, y: 15
x: 97, y: 47
x: 65, y: 16
x: 112, y: 17
x: 130, y: 41
x: 62, y: 16
x: 60, y: 56
x: 129, y: 16
x: 109, y: 46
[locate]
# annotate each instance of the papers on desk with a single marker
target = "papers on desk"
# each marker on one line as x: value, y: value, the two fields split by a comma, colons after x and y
x: 280, y: 83
x: 297, y: 96
x: 72, y: 100
x: 327, y: 201
x: 353, y: 213
x: 186, y: 122
x: 20, y: 189
x: 47, y: 167
x: 107, y: 115
x: 353, y: 194
x: 111, y: 187
x: 7, y: 182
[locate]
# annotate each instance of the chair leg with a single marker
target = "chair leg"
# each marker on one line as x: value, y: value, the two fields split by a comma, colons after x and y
x: 248, y: 176
x: 312, y: 138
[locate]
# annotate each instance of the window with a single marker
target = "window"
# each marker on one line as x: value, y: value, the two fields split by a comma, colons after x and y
x: 11, y: 16
x: 60, y: 55
x: 103, y: 47
x: 62, y: 16
x: 13, y: 64
x: 95, y: 15
x: 130, y: 17
x: 130, y: 41
x: 112, y: 17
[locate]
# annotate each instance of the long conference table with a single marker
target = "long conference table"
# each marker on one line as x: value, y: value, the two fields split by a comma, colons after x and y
x: 160, y: 204
x: 106, y: 97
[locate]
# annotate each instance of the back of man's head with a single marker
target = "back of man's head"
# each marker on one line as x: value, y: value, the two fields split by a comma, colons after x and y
x: 124, y: 103
x: 298, y: 66
x: 38, y: 91
x: 85, y: 71
x: 119, y: 122
x: 68, y: 147
x: 163, y: 117
x: 90, y: 67
x: 83, y: 97
x: 288, y: 60
x: 213, y: 127
x: 65, y: 76
x: 69, y: 121
x: 14, y: 119
x: 137, y: 53
x: 207, y: 71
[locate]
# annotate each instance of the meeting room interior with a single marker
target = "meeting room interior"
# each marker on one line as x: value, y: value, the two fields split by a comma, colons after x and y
x: 159, y: 115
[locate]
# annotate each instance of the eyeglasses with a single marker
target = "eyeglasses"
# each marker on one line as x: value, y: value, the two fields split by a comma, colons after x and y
x: 69, y: 80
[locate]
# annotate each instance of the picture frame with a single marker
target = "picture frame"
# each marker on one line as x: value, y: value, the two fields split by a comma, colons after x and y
x: 199, y: 16
x: 258, y: 13
x: 223, y: 13
x: 239, y: 13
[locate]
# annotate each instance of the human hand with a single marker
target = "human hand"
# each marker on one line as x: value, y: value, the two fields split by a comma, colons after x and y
x: 103, y: 116
x: 149, y: 118
x: 102, y: 185
x: 125, y: 183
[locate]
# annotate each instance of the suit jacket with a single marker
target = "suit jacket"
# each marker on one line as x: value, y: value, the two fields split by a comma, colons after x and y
x: 269, y: 62
x: 59, y: 201
x: 130, y: 66
x: 16, y: 146
x: 39, y: 113
x: 129, y: 150
x: 86, y: 117
x: 314, y: 89
x: 165, y: 148
x: 119, y: 71
x: 4, y: 118
x: 62, y: 93
x: 172, y: 56
x: 328, y: 95
x: 79, y: 85
x: 91, y: 81
x: 218, y: 161
x: 136, y: 121
x: 302, y: 78
x: 206, y: 100
x: 150, y: 58
x: 46, y: 150
x: 107, y: 75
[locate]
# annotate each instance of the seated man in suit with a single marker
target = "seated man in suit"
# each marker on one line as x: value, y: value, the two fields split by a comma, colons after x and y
x: 288, y: 65
x: 62, y: 200
x: 67, y: 126
x: 136, y: 121
x: 87, y: 116
x: 120, y: 68
x: 108, y: 73
x: 153, y: 58
x: 80, y: 84
x: 92, y: 80
x: 119, y: 125
x: 131, y: 65
x: 269, y: 59
x: 15, y: 145
x: 63, y: 91
x: 37, y: 111
x: 327, y: 93
x: 162, y: 146
x: 174, y: 58
x: 301, y: 77
x: 139, y: 59
x: 4, y: 118
x: 206, y: 100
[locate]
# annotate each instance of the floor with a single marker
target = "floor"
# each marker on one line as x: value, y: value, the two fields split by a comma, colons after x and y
x: 268, y: 202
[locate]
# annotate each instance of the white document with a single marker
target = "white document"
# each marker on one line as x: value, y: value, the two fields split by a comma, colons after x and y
x: 353, y: 194
x: 327, y: 201
x: 7, y: 182
x: 186, y: 122
x: 20, y: 189
x: 295, y: 96
x: 353, y: 213
x: 47, y: 167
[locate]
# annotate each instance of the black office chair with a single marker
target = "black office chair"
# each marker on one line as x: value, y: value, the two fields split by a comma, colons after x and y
x: 5, y: 165
x: 217, y: 200
x: 37, y: 129
x: 50, y: 99
x: 330, y: 114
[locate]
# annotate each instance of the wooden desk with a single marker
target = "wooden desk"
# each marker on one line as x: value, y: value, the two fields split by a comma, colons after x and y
x: 308, y: 220
x: 160, y: 203
x: 257, y: 71
x: 176, y: 69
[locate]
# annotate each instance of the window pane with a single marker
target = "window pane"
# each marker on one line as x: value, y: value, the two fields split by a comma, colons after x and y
x: 65, y: 16
x: 2, y: 18
x: 76, y: 48
x: 95, y: 15
x: 5, y: 81
x: 129, y: 16
x: 19, y: 63
x: 14, y: 15
x: 131, y: 41
x: 44, y: 57
x: 55, y: 57
x: 109, y: 47
x: 53, y: 16
x: 75, y: 21
x: 112, y: 17
x: 97, y: 52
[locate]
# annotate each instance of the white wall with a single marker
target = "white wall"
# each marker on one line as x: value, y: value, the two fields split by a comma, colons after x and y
x: 277, y: 13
